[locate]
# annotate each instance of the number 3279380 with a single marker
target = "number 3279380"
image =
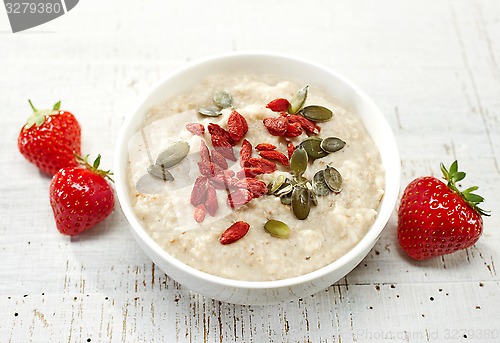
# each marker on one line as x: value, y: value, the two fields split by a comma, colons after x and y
x: 32, y: 7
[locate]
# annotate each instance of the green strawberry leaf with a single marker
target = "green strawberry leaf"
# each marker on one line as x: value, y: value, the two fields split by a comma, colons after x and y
x: 470, y: 189
x: 38, y: 116
x: 458, y: 176
x: 452, y: 176
x: 454, y: 168
x: 97, y: 162
x: 474, y: 198
x: 95, y: 166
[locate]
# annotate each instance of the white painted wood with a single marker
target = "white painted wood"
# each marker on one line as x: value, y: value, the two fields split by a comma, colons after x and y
x: 432, y: 66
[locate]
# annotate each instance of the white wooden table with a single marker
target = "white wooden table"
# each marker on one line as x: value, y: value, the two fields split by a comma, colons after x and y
x: 433, y: 66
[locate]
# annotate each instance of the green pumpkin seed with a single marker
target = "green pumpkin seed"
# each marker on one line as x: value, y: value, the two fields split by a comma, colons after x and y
x: 298, y: 161
x: 333, y: 179
x: 319, y: 184
x: 298, y: 100
x: 300, y: 180
x: 314, y: 199
x: 286, y: 199
x: 317, y: 113
x: 173, y: 154
x: 223, y: 99
x: 332, y: 144
x: 210, y: 111
x: 285, y: 189
x: 308, y: 185
x: 301, y: 202
x: 160, y: 172
x: 275, y: 184
x: 277, y: 229
x: 312, y: 146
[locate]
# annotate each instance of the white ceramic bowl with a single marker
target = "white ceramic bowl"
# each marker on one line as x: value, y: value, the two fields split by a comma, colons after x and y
x: 262, y: 292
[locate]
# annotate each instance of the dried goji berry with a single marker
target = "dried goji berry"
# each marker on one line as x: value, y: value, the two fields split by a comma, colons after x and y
x: 222, y: 181
x: 236, y: 126
x: 245, y: 152
x: 199, y: 213
x: 218, y: 181
x: 278, y: 105
x: 229, y: 173
x: 275, y: 155
x: 211, y: 203
x: 196, y: 128
x: 218, y: 159
x: 276, y: 126
x: 209, y: 169
x: 291, y: 149
x: 266, y: 165
x: 239, y: 198
x: 217, y: 130
x: 249, y: 172
x: 256, y: 187
x: 204, y: 152
x: 234, y: 232
x: 199, y: 191
x: 265, y: 146
x: 305, y: 123
x: 293, y: 130
x: 223, y: 147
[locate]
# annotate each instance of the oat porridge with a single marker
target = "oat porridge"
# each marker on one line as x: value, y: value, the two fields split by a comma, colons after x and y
x: 251, y: 177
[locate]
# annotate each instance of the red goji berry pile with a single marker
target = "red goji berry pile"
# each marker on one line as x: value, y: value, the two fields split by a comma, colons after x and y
x: 240, y: 187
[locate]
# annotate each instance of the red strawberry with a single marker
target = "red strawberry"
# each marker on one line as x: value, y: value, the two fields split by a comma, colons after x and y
x: 80, y: 197
x: 435, y: 219
x: 50, y: 139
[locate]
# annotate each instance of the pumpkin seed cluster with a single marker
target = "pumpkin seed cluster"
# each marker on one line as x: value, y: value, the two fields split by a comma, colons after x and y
x: 221, y: 100
x: 298, y: 191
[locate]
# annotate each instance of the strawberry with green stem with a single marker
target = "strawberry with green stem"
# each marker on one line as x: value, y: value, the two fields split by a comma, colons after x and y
x: 50, y: 139
x: 81, y: 197
x: 435, y: 219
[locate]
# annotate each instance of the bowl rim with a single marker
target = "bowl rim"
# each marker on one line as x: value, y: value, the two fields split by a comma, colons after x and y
x: 389, y: 199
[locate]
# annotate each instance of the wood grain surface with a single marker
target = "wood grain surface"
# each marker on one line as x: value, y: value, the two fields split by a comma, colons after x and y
x: 432, y: 66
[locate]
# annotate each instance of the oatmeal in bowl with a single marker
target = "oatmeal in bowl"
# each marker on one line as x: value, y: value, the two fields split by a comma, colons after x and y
x: 247, y: 180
